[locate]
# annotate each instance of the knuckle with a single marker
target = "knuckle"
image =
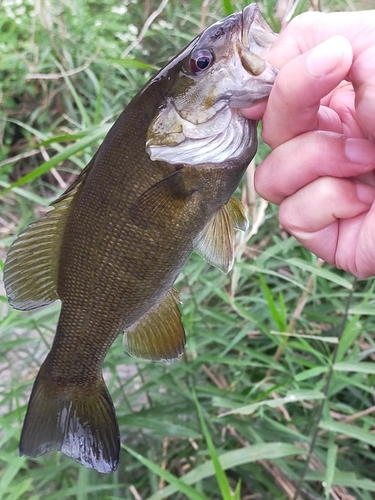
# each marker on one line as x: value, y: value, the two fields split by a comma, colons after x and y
x: 288, y: 217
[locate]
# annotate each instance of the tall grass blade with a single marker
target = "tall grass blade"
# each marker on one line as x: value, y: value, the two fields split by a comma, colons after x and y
x: 331, y: 466
x: 231, y: 459
x: 219, y: 472
x: 68, y: 152
x: 179, y: 485
x: 349, y: 430
x: 321, y: 272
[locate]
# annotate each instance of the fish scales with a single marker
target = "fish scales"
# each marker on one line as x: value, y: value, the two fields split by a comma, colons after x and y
x: 159, y: 187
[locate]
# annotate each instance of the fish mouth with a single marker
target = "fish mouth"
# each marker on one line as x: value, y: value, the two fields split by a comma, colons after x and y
x: 247, y: 18
x: 256, y: 34
x: 256, y: 38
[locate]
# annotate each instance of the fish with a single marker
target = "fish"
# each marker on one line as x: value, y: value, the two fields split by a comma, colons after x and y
x: 159, y: 187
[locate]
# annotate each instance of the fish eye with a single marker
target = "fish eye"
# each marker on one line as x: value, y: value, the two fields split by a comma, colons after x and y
x: 200, y: 60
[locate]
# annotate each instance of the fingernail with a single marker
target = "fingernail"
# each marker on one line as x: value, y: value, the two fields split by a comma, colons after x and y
x: 327, y: 56
x: 360, y: 151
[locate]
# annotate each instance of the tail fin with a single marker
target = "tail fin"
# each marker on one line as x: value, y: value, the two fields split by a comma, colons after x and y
x: 78, y: 421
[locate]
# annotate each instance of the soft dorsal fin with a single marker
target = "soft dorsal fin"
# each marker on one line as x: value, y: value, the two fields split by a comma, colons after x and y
x: 31, y: 267
x: 159, y: 334
x: 216, y: 242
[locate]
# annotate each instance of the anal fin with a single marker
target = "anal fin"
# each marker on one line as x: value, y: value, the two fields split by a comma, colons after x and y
x: 159, y: 334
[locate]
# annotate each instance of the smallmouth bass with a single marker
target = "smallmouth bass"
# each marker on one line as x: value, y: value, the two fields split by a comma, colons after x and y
x: 159, y: 187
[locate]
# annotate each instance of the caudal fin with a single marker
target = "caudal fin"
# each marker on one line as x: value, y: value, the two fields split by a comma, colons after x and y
x: 80, y: 422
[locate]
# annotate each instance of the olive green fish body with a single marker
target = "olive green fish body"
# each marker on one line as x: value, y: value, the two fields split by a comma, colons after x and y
x: 159, y: 187
x: 132, y: 262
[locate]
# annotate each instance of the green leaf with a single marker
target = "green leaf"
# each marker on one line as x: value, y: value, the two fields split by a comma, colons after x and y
x: 362, y: 310
x: 231, y: 459
x: 291, y: 397
x: 163, y: 428
x: 28, y: 195
x: 277, y: 316
x: 361, y: 367
x: 77, y: 97
x: 178, y: 484
x: 237, y: 492
x: 60, y: 157
x: 220, y: 475
x: 128, y: 62
x: 321, y: 272
x: 328, y: 340
x: 77, y: 490
x: 346, y: 479
x: 19, y: 488
x: 269, y: 272
x: 228, y: 8
x: 348, y: 430
x: 331, y: 466
x: 10, y: 471
x: 350, y: 334
x: 311, y: 373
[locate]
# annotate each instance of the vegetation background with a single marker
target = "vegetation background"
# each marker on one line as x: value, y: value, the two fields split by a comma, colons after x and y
x: 274, y: 398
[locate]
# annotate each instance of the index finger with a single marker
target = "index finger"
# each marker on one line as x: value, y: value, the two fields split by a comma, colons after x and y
x: 308, y: 30
x: 312, y: 28
x: 294, y: 102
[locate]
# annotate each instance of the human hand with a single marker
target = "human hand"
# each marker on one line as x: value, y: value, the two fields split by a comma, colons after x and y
x: 320, y: 123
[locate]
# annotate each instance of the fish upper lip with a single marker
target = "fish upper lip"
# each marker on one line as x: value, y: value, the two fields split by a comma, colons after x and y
x: 247, y: 18
x: 242, y: 28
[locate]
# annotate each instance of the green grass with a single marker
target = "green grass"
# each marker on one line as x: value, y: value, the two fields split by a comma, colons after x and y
x: 279, y: 352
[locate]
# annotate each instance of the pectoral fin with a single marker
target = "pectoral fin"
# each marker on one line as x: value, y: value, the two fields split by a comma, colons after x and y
x: 159, y: 334
x: 31, y: 267
x: 237, y: 213
x: 162, y: 202
x: 216, y: 242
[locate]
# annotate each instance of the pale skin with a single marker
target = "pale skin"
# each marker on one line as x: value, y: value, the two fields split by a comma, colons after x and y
x: 320, y: 123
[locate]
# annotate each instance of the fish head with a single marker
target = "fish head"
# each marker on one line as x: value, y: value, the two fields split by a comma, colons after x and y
x: 221, y: 71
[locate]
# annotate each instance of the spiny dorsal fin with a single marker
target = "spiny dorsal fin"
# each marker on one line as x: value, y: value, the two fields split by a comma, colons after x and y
x: 159, y: 334
x: 31, y: 267
x: 216, y: 242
